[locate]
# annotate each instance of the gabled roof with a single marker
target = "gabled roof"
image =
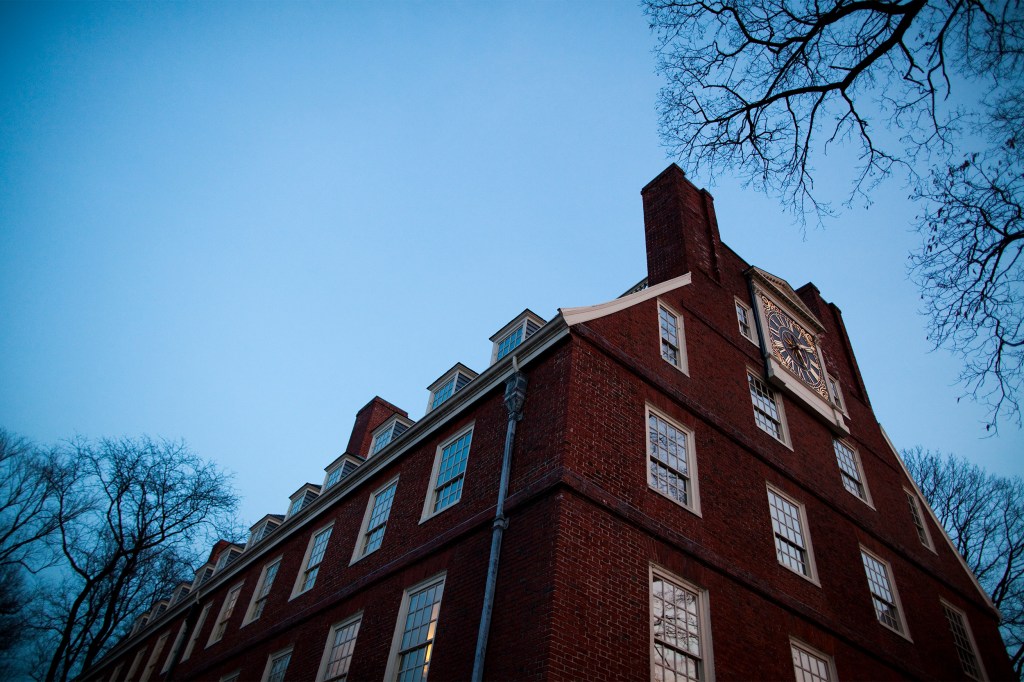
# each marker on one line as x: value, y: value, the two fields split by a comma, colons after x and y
x: 592, y: 312
x: 781, y: 288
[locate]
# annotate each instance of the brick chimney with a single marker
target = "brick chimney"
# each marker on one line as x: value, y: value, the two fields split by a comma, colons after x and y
x: 372, y: 415
x: 681, y: 229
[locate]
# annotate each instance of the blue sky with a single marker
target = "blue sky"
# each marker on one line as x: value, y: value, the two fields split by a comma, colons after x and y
x: 236, y: 223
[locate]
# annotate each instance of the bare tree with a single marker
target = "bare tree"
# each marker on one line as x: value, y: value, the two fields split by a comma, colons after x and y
x: 929, y: 91
x: 25, y: 518
x: 132, y: 516
x: 984, y: 517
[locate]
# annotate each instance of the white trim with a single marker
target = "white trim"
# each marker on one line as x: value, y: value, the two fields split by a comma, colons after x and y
x: 693, y: 503
x: 751, y: 322
x: 235, y: 589
x: 917, y: 517
x: 776, y: 396
x: 707, y: 658
x: 391, y: 672
x: 573, y: 316
x: 273, y: 657
x: 891, y: 578
x: 154, y: 657
x: 829, y: 662
x: 430, y: 499
x: 174, y: 647
x: 195, y: 633
x: 681, y: 363
x: 970, y: 640
x: 259, y: 588
x: 300, y: 577
x: 356, y: 619
x: 519, y: 322
x: 357, y: 551
x: 805, y: 532
x: 858, y: 465
x: 135, y: 663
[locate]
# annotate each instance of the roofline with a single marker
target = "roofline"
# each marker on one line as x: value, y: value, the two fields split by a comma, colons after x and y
x: 574, y: 316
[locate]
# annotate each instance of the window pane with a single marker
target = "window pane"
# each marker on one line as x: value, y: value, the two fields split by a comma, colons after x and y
x: 675, y: 623
x: 669, y: 466
x: 418, y: 633
x: 451, y: 470
x: 379, y: 518
x: 342, y: 644
x: 789, y: 537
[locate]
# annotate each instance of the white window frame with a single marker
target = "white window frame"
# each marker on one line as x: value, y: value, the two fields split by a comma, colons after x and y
x: 274, y: 657
x: 136, y: 662
x: 304, y: 569
x: 174, y: 647
x: 254, y: 599
x: 355, y: 619
x: 520, y: 323
x: 195, y: 633
x: 836, y: 392
x: 387, y: 429
x: 776, y: 397
x: 751, y: 323
x: 154, y: 657
x: 432, y: 490
x: 357, y: 551
x: 227, y: 607
x: 693, y: 493
x: 917, y: 518
x: 948, y: 609
x: 858, y: 468
x: 391, y: 673
x: 681, y: 363
x: 116, y: 676
x: 896, y: 604
x: 706, y: 669
x: 796, y: 645
x: 808, y: 548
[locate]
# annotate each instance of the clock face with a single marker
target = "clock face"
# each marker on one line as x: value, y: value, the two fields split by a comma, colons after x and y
x: 794, y: 347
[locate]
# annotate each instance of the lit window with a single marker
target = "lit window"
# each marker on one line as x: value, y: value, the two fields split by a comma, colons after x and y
x: 154, y: 657
x: 277, y: 666
x: 195, y: 633
x: 314, y: 557
x: 262, y: 591
x: 673, y: 349
x: 341, y: 642
x: 375, y: 520
x: 883, y: 592
x: 850, y: 470
x: 226, y: 609
x: 415, y: 630
x: 918, y: 519
x: 810, y: 665
x: 963, y: 641
x: 679, y: 630
x: 671, y: 464
x: 448, y: 473
x: 789, y: 523
x: 745, y: 319
x: 766, y: 409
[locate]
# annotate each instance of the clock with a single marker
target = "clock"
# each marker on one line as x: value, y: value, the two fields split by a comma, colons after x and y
x: 794, y: 347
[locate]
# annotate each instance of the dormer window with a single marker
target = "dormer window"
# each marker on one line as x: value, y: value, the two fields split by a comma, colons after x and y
x: 450, y: 383
x: 180, y: 592
x: 340, y: 468
x: 161, y: 606
x: 301, y: 498
x: 263, y: 528
x: 514, y: 333
x: 227, y: 557
x: 390, y: 430
x: 202, y: 575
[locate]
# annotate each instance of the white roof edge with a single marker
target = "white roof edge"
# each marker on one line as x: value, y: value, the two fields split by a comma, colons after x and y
x: 592, y: 312
x: 938, y: 525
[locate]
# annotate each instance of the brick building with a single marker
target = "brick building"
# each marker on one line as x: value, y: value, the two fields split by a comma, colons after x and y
x: 695, y: 486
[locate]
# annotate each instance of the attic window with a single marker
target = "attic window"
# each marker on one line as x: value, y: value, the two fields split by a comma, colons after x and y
x: 262, y: 530
x: 390, y: 430
x: 450, y: 383
x: 302, y: 498
x: 181, y: 592
x: 514, y: 333
x: 202, y: 575
x: 227, y: 557
x: 339, y: 469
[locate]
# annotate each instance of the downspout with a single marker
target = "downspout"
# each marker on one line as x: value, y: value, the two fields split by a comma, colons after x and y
x: 191, y: 616
x: 515, y: 396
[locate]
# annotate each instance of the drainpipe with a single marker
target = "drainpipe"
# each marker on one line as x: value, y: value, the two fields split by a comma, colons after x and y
x: 515, y: 396
x: 191, y: 616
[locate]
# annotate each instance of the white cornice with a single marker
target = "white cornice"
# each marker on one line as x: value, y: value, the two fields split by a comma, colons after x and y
x: 575, y: 316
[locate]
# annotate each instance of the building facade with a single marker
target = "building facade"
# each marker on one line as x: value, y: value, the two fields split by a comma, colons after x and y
x: 693, y: 486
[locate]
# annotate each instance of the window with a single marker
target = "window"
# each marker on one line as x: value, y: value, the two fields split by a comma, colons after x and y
x: 918, y: 518
x: 375, y: 520
x: 509, y: 337
x: 232, y: 677
x: 680, y: 634
x: 339, y: 469
x: 963, y: 641
x: 202, y: 575
x: 811, y: 665
x: 767, y: 411
x: 837, y: 396
x: 302, y: 497
x: 341, y: 642
x: 387, y: 432
x: 792, y: 543
x: 673, y: 348
x: 883, y: 592
x: 262, y: 529
x: 745, y: 319
x: 178, y: 639
x: 277, y: 666
x: 314, y: 557
x: 154, y: 657
x: 850, y: 470
x: 195, y: 633
x: 136, y: 662
x: 671, y: 464
x: 262, y: 591
x: 226, y: 609
x: 448, y: 473
x: 450, y: 383
x: 412, y: 645
x: 227, y: 557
